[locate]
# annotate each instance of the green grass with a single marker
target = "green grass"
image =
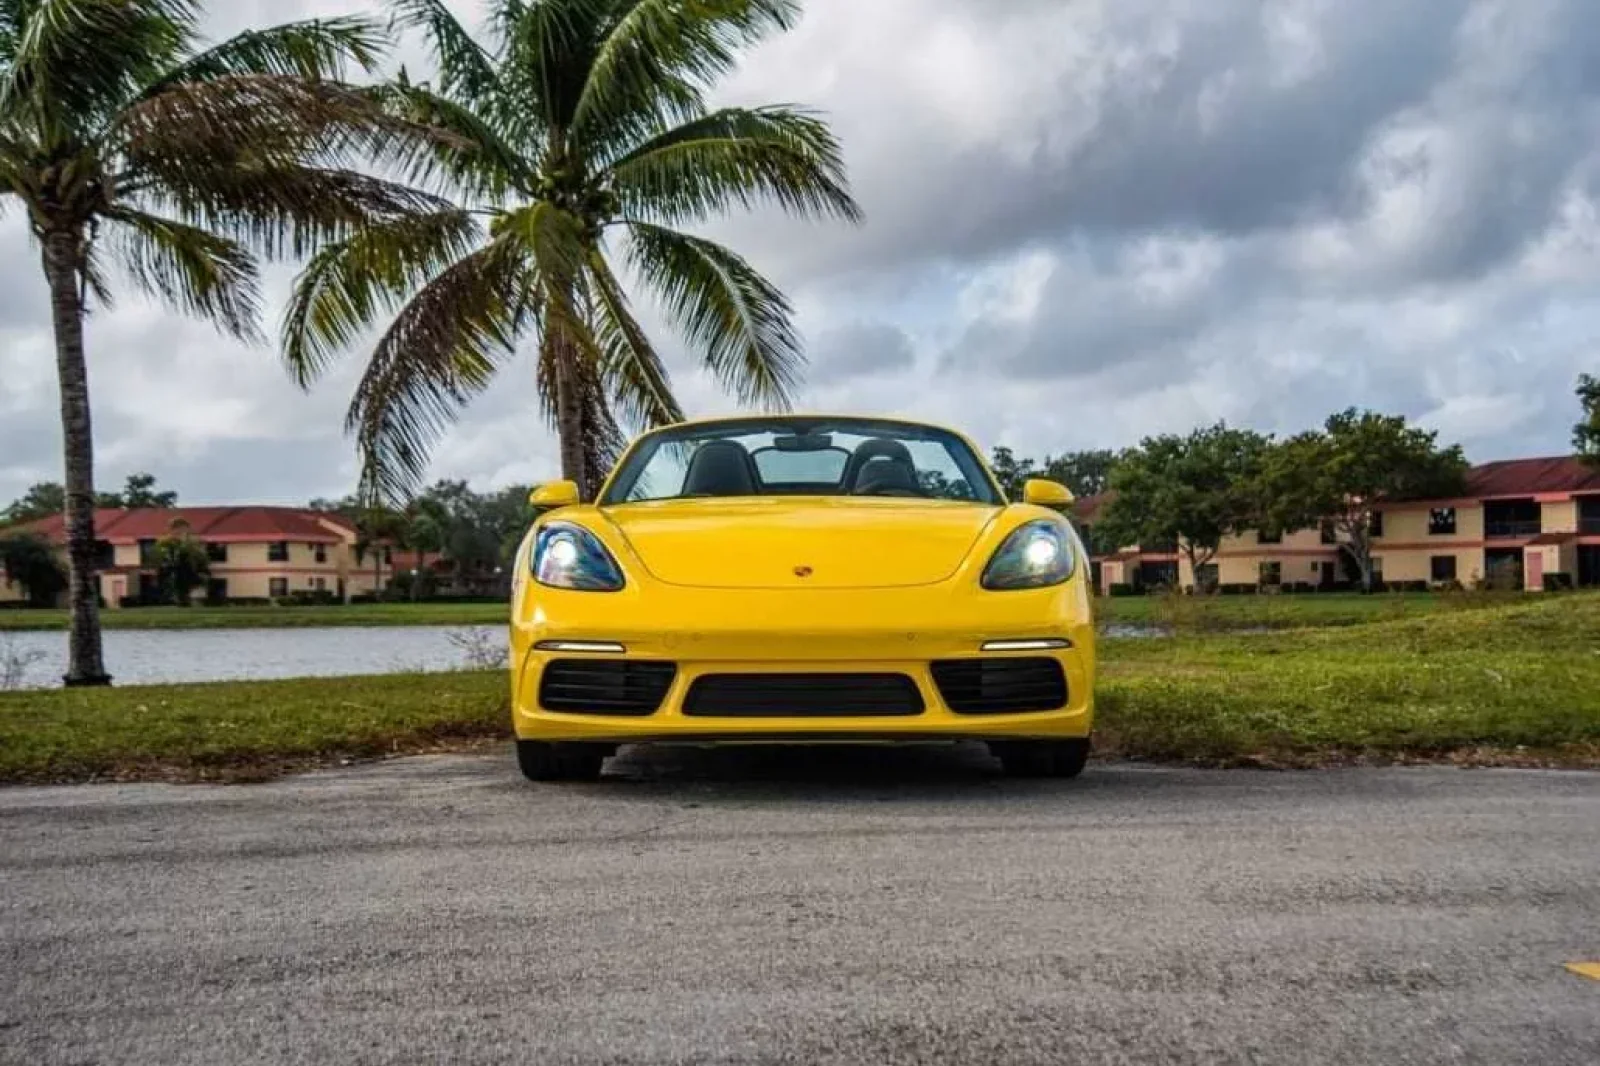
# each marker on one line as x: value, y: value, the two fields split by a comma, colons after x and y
x: 1471, y: 684
x: 359, y: 614
x: 1294, y: 611
x: 237, y: 730
x: 1514, y: 684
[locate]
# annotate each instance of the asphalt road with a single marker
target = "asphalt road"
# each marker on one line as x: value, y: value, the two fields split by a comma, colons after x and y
x: 835, y: 907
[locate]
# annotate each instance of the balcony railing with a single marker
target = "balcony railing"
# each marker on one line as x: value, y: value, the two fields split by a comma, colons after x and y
x: 1509, y: 528
x: 1589, y: 524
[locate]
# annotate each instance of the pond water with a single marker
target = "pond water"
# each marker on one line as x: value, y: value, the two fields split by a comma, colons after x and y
x: 160, y: 656
x: 165, y: 656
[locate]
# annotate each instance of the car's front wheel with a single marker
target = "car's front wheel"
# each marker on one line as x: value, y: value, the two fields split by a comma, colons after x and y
x: 543, y: 761
x: 1042, y: 758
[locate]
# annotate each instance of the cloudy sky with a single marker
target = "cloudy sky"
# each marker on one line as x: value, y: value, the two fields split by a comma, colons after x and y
x: 1087, y: 220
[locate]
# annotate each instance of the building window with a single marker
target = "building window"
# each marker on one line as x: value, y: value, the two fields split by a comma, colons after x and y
x: 322, y: 553
x: 1206, y: 576
x: 1377, y: 568
x: 217, y: 553
x: 388, y: 557
x: 1375, y: 524
x: 278, y: 551
x: 320, y: 584
x: 278, y: 587
x: 1329, y: 534
x: 1264, y: 537
x: 147, y: 552
x: 1442, y: 522
x: 1442, y: 567
x: 1272, y: 573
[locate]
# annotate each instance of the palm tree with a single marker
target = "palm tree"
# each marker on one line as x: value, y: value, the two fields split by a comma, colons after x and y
x: 131, y: 145
x: 591, y: 124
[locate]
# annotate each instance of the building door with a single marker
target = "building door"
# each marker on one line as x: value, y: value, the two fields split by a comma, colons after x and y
x: 217, y: 590
x: 1327, y: 575
x: 1535, y: 569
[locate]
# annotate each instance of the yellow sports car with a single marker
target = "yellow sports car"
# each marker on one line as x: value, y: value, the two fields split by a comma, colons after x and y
x: 801, y: 579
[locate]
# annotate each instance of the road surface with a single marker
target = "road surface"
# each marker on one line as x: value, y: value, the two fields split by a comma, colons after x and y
x: 838, y: 907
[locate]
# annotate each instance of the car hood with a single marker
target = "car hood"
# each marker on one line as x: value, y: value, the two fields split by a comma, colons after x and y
x: 794, y: 543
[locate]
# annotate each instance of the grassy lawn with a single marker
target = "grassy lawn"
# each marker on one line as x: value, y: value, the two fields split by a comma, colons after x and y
x: 1514, y: 684
x: 1292, y: 611
x: 358, y: 614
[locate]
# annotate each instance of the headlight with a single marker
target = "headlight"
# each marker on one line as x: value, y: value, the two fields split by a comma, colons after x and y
x: 570, y: 557
x: 1035, y: 555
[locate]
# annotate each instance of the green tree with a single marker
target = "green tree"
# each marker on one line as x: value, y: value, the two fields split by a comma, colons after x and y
x: 140, y: 491
x: 1359, y: 461
x: 128, y: 143
x: 1012, y: 473
x: 595, y: 137
x: 31, y: 561
x: 40, y: 501
x: 1586, y: 434
x: 182, y: 564
x: 1191, y: 490
x: 1085, y: 473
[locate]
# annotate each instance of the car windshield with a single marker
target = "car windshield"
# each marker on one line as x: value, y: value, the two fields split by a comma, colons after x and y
x: 802, y: 457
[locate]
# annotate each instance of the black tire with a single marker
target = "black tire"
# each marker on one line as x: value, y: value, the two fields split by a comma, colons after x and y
x: 1043, y: 758
x: 542, y: 761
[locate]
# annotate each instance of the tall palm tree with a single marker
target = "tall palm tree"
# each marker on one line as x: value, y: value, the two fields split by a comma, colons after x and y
x: 132, y: 146
x: 591, y: 124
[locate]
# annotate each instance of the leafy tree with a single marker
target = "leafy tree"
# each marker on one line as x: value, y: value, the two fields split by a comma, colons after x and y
x: 1012, y: 473
x: 1359, y: 461
x: 129, y: 143
x: 181, y: 563
x: 40, y: 501
x: 140, y: 491
x: 1191, y: 490
x: 31, y: 561
x: 1586, y: 434
x: 1085, y: 473
x: 595, y: 137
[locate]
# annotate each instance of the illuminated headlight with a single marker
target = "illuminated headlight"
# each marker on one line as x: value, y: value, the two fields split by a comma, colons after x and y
x: 570, y: 557
x: 1034, y: 556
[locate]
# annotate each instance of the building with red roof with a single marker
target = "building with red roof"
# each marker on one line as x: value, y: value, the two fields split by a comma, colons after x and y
x: 256, y: 552
x: 1520, y: 522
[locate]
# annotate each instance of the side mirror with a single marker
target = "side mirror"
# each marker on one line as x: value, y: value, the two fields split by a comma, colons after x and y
x: 1043, y: 493
x: 554, y: 494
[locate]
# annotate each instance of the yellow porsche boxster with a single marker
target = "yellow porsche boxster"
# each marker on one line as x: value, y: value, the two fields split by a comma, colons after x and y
x: 801, y: 579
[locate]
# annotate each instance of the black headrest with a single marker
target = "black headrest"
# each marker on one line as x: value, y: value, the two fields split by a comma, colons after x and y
x: 888, y: 476
x: 720, y: 468
x: 877, y: 448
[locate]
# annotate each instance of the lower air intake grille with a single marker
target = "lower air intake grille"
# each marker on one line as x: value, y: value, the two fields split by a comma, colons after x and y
x: 1001, y: 686
x: 803, y: 695
x: 630, y: 689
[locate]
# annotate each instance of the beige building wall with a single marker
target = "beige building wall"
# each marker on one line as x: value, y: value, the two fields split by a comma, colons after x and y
x: 1558, y: 517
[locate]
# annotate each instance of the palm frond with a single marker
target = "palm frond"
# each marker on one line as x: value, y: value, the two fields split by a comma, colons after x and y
x: 632, y: 371
x: 73, y: 62
x: 199, y: 273
x: 466, y: 72
x: 738, y: 320
x: 255, y: 119
x: 290, y: 211
x: 653, y: 45
x: 347, y: 285
x: 547, y: 48
x: 441, y: 351
x: 313, y: 49
x: 737, y: 156
x: 552, y: 239
x: 469, y: 151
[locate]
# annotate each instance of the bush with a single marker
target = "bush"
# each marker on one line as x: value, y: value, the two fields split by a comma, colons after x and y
x: 1124, y: 590
x: 248, y: 601
x: 1237, y: 590
x: 1558, y: 582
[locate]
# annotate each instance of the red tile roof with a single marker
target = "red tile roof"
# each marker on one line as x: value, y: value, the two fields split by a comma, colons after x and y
x: 1527, y: 477
x: 223, y: 524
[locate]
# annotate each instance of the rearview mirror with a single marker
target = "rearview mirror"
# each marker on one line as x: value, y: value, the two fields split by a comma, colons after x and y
x: 553, y: 494
x: 1043, y: 493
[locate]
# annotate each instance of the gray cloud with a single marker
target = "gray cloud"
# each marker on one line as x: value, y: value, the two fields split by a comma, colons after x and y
x: 1086, y: 222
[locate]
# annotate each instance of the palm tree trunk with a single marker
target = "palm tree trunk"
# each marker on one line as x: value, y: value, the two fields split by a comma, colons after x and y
x: 85, y: 659
x: 569, y: 408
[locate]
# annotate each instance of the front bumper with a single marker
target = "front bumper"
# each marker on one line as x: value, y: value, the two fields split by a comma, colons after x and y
x: 717, y: 632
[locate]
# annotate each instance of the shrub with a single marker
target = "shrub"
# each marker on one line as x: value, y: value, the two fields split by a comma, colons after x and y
x: 1558, y: 582
x: 1124, y: 590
